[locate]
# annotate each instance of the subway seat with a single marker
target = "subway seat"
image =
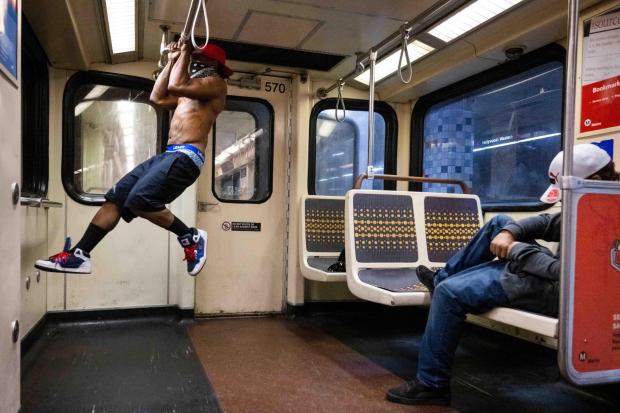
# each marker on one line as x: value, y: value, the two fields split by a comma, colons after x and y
x: 535, y: 323
x: 321, y: 237
x: 389, y: 233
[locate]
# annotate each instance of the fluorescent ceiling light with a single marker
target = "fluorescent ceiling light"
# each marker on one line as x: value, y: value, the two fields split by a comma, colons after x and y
x: 96, y: 92
x: 81, y: 107
x: 389, y: 65
x: 238, y: 146
x: 326, y: 127
x: 471, y: 17
x: 122, y: 25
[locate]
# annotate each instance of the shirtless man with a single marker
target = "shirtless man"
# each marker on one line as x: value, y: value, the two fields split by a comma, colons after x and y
x: 197, y: 99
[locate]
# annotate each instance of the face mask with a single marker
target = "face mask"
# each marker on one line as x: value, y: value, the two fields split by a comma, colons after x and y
x: 198, y: 69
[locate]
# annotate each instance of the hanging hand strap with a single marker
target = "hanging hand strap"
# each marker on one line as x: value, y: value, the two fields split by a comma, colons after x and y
x: 404, y: 51
x: 203, y: 3
x: 340, y: 102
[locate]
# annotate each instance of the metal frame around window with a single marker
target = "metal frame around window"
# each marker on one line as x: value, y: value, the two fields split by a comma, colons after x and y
x: 239, y: 104
x: 547, y: 54
x: 68, y: 125
x: 35, y: 115
x: 391, y: 136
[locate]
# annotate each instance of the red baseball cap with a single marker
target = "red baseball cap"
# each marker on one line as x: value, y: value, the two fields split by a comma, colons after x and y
x: 216, y: 53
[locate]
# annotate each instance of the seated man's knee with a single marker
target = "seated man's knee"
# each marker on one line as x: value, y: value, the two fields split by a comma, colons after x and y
x: 450, y: 297
x: 501, y: 220
x: 443, y: 290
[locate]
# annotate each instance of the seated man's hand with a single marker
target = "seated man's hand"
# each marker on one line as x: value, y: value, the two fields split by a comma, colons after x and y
x: 510, y: 247
x: 501, y: 244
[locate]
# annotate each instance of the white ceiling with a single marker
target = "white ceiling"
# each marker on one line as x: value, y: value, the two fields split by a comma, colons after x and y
x: 339, y: 27
x: 73, y: 37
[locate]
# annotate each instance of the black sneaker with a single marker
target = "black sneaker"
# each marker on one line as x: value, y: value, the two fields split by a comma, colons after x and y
x: 426, y: 277
x: 413, y: 392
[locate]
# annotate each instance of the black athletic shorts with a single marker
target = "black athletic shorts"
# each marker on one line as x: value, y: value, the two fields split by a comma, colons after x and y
x: 153, y: 184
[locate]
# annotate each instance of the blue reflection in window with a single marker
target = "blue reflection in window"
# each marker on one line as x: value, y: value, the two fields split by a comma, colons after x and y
x: 342, y: 151
x: 499, y: 139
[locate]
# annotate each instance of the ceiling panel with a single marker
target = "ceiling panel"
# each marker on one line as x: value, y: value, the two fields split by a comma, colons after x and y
x: 169, y: 11
x: 395, y: 9
x: 284, y: 31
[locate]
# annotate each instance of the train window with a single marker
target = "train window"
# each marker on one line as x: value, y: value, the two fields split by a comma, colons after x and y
x: 109, y: 127
x: 243, y: 151
x: 497, y: 131
x: 35, y: 116
x: 338, y: 151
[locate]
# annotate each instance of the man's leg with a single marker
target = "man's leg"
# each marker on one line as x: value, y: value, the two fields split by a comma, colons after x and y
x: 193, y: 240
x: 166, y: 220
x: 104, y: 221
x: 474, y: 290
x: 477, y: 251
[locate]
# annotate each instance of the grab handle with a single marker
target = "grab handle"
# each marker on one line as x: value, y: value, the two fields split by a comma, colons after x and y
x: 464, y: 187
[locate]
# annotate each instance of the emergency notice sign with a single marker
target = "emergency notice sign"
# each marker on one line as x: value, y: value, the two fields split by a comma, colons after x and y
x: 600, y: 85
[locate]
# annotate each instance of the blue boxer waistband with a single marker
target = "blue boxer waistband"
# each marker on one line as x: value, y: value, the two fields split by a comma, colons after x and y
x: 190, y: 150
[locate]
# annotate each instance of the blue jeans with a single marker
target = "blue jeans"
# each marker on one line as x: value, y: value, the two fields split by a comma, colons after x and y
x: 469, y: 283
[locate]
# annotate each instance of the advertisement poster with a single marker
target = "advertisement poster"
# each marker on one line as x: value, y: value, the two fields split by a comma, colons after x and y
x: 8, y: 38
x: 600, y: 85
x: 596, y: 308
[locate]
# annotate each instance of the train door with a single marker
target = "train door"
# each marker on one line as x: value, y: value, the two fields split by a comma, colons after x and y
x: 10, y: 222
x: 242, y: 202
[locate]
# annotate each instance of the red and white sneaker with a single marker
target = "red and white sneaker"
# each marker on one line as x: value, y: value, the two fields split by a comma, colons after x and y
x: 195, y: 246
x: 75, y: 262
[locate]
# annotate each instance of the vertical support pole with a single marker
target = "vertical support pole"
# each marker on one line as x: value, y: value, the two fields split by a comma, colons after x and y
x: 371, y: 116
x: 567, y: 195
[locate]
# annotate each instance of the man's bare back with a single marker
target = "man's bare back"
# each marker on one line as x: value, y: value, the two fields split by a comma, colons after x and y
x: 197, y: 102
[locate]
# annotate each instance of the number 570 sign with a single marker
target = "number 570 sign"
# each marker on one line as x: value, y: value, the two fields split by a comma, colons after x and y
x: 275, y: 87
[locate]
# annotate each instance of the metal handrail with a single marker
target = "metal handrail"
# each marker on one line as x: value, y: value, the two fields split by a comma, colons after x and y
x: 567, y: 237
x: 39, y: 202
x: 464, y: 187
x: 371, y: 116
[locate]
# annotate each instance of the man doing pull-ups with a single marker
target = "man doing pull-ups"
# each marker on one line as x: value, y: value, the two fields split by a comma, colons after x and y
x: 193, y: 85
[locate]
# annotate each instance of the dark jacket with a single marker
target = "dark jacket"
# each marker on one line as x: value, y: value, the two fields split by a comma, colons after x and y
x: 531, y: 279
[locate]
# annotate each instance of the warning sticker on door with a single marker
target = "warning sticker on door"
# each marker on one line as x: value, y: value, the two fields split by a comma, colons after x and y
x: 245, y: 226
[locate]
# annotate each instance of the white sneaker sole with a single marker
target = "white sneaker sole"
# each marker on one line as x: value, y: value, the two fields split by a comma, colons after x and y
x: 203, y: 261
x: 48, y: 266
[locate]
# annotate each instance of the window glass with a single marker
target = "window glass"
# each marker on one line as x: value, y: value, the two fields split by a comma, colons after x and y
x: 499, y: 138
x: 341, y: 150
x: 115, y: 130
x: 242, y: 153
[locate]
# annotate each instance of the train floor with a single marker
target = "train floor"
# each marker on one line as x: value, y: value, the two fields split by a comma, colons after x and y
x: 324, y: 362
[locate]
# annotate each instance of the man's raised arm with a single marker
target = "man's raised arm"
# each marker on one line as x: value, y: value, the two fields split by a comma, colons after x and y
x: 160, y: 94
x: 182, y: 85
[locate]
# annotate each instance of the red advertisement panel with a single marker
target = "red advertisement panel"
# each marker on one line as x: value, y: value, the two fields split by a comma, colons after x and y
x: 600, y: 105
x: 596, y: 305
x: 600, y: 82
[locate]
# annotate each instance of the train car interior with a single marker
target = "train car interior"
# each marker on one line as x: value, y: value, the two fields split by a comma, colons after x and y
x: 309, y: 206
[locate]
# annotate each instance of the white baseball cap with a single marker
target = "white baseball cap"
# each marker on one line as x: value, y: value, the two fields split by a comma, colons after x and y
x: 587, y: 160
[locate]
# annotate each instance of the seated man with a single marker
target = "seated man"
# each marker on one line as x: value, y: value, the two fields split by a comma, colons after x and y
x: 526, y: 277
x: 197, y: 100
